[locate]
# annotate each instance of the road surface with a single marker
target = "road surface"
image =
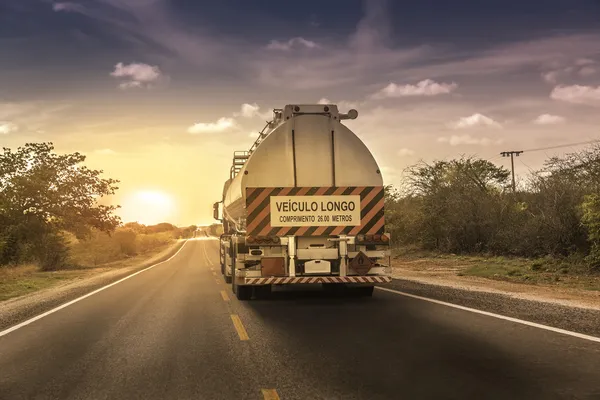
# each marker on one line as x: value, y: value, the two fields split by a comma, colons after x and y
x: 175, y: 331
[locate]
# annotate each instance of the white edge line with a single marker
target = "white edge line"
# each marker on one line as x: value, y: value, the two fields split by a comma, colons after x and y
x: 29, y: 321
x: 489, y: 314
x: 208, y: 262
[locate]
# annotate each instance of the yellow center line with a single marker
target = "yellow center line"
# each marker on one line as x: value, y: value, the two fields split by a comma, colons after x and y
x: 224, y: 295
x: 218, y: 282
x: 239, y: 327
x: 270, y: 394
x: 214, y: 273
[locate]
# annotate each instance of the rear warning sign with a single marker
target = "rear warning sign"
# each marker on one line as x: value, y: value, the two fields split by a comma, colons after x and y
x: 315, y: 210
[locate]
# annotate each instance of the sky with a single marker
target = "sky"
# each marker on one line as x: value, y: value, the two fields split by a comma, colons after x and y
x: 159, y: 93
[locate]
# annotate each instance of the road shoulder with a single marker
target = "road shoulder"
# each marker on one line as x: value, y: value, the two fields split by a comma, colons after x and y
x: 562, y: 315
x: 18, y: 309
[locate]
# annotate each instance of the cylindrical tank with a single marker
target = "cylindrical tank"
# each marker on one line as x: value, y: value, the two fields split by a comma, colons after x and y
x: 305, y: 150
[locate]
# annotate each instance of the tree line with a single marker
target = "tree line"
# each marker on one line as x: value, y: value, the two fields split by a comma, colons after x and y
x: 467, y: 205
x: 44, y: 196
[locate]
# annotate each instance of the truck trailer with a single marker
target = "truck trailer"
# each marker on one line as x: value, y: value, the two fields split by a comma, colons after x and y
x: 304, y: 205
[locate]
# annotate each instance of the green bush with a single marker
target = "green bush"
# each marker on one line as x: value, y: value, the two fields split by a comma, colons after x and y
x: 467, y: 206
x: 52, y: 252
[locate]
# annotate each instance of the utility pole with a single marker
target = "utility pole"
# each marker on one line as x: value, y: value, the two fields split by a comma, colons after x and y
x: 512, y: 164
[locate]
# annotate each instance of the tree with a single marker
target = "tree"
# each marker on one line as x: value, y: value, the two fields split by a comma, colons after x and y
x: 458, y: 203
x: 591, y: 220
x: 44, y: 193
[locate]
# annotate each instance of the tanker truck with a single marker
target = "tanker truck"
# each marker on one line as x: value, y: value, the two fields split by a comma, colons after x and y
x: 304, y: 205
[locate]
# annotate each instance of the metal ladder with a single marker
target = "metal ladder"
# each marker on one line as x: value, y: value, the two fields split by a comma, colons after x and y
x: 240, y: 157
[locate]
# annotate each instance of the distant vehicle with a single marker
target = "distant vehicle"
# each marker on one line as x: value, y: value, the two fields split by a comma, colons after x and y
x: 304, y: 205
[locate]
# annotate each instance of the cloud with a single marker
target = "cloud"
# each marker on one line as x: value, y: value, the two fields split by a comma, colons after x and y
x: 374, y: 29
x: 577, y: 94
x: 549, y: 52
x: 297, y: 42
x: 248, y: 110
x: 222, y: 124
x: 584, y: 61
x: 475, y: 120
x: 251, y: 111
x: 547, y: 119
x: 254, y: 134
x: 551, y: 76
x: 582, y: 67
x: 342, y: 105
x: 425, y: 87
x: 138, y: 75
x: 587, y: 71
x: 130, y: 85
x: 68, y: 7
x: 106, y: 152
x: 366, y: 54
x: 7, y: 127
x: 457, y: 140
x: 405, y: 152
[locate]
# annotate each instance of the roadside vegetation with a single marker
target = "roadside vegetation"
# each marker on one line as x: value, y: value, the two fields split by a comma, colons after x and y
x: 53, y: 227
x: 547, y: 231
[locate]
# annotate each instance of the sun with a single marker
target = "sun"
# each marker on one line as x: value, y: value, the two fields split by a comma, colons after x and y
x: 147, y: 207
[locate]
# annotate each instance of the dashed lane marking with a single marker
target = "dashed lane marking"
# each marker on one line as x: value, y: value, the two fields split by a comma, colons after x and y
x: 224, y: 295
x: 489, y: 314
x: 270, y: 394
x: 239, y: 327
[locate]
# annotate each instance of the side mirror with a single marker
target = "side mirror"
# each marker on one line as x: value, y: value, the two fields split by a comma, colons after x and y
x: 216, y: 211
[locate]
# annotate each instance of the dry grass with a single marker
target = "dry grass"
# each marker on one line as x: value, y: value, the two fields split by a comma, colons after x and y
x: 23, y: 279
x: 103, y: 249
x: 87, y: 257
x: 568, y: 273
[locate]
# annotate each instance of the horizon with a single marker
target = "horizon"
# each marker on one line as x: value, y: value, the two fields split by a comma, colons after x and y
x: 158, y: 94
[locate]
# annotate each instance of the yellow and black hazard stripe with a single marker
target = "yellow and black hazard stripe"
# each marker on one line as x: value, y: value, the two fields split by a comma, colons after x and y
x: 258, y: 212
x: 317, y: 279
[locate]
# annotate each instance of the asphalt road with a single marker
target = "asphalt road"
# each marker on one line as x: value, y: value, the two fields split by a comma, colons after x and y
x: 175, y: 332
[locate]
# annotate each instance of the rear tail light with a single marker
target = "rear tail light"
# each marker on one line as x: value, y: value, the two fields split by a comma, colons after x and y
x: 263, y: 240
x: 372, y: 239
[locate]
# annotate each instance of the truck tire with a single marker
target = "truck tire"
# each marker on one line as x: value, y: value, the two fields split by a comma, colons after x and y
x: 227, y: 278
x: 243, y: 292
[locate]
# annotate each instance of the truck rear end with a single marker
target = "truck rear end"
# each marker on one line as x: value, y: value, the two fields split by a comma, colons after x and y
x: 305, y: 207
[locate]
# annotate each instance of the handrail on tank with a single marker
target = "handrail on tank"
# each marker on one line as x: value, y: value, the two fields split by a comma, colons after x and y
x: 244, y: 155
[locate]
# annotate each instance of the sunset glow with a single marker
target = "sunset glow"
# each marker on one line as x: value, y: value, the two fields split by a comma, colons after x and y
x: 147, y: 207
x: 165, y: 101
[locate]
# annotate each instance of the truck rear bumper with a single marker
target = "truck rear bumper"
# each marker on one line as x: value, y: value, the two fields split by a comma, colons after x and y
x: 316, y: 279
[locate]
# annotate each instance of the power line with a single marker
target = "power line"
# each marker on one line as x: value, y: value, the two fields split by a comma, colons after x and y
x: 563, y: 145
